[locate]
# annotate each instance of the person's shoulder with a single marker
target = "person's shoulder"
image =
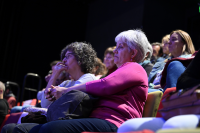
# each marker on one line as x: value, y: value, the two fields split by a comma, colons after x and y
x: 88, y: 75
x: 4, y: 101
x: 185, y: 56
x: 134, y: 64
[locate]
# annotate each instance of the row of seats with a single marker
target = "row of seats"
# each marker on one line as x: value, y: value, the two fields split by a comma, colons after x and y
x: 32, y: 83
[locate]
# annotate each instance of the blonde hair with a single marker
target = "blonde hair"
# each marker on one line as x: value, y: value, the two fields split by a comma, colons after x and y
x: 186, y: 39
x: 166, y: 38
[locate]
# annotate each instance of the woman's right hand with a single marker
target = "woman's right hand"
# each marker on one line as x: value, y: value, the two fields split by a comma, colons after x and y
x: 59, y: 67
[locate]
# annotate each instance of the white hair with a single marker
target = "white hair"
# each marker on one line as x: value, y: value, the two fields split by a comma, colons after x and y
x: 136, y: 39
x: 2, y: 86
x: 150, y: 51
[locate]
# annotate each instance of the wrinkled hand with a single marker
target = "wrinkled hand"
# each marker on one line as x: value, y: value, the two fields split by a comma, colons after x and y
x: 55, y: 92
x: 60, y: 67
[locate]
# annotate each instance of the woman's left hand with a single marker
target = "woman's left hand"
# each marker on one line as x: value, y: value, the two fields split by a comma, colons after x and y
x: 55, y: 92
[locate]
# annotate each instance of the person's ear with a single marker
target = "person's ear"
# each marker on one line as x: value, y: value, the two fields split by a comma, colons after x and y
x: 1, y: 91
x: 134, y: 53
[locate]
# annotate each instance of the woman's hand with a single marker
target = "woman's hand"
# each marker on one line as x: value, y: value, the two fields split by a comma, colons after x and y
x: 55, y: 92
x: 59, y: 67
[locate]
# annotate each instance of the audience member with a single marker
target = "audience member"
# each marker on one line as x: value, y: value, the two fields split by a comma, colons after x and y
x: 189, y: 78
x: 3, y: 103
x: 122, y: 93
x: 180, y: 45
x: 165, y: 48
x: 109, y: 60
x: 99, y: 69
x: 62, y: 77
x: 10, y: 97
x: 146, y: 63
x: 78, y: 60
x: 155, y: 74
x: 157, y: 52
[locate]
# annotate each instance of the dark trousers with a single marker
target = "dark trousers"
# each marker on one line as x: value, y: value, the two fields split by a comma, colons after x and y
x: 63, y: 126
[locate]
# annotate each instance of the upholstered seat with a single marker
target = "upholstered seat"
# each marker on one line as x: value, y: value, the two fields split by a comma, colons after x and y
x: 152, y: 104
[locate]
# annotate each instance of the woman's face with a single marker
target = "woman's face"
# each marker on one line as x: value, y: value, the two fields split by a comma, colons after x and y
x: 122, y: 54
x: 109, y: 61
x: 176, y: 45
x: 70, y: 62
x: 165, y: 47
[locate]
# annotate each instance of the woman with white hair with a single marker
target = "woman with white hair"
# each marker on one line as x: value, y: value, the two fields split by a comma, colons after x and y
x: 122, y: 94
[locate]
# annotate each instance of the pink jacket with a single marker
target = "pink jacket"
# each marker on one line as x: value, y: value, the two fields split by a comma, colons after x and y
x: 122, y: 94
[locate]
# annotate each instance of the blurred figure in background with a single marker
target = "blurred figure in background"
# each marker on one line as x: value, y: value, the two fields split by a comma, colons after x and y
x: 109, y: 60
x: 62, y: 77
x: 157, y: 52
x: 99, y: 68
x: 146, y: 63
x: 3, y: 103
x: 165, y: 48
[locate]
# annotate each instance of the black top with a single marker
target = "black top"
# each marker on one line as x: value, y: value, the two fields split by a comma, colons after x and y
x: 148, y: 67
x: 3, y: 109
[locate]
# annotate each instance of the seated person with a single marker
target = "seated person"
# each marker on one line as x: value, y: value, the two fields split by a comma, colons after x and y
x: 3, y: 103
x: 62, y: 77
x: 146, y: 63
x: 109, y: 60
x: 99, y: 69
x: 78, y: 61
x: 80, y: 69
x: 180, y: 45
x: 9, y: 96
x: 157, y: 52
x: 189, y: 78
x: 165, y: 48
x: 122, y: 94
x: 155, y: 74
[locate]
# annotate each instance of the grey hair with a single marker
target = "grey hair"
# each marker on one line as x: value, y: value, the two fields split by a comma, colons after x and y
x: 135, y: 39
x: 2, y: 86
x: 150, y: 51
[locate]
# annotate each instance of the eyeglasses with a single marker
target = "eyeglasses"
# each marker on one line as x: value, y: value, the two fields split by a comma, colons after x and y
x: 68, y: 56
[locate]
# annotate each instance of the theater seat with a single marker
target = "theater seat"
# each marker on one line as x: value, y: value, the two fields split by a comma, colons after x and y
x: 152, y: 104
x: 149, y: 113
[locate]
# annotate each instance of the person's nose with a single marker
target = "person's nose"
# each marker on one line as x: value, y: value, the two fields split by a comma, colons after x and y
x: 64, y: 60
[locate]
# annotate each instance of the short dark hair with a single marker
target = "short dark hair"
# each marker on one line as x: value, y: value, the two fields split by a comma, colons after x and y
x: 158, y: 44
x: 84, y: 53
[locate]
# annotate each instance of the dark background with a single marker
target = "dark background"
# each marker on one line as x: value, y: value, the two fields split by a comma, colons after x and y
x: 33, y: 32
